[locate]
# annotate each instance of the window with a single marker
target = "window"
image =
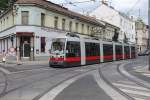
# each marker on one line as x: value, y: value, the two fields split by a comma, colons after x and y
x: 82, y: 28
x: 77, y: 27
x: 88, y: 28
x: 73, y: 49
x: 42, y: 19
x: 127, y: 52
x: 25, y: 17
x: 92, y: 49
x: 7, y: 44
x: 108, y: 52
x: 43, y: 44
x: 63, y: 24
x: 70, y: 26
x: 56, y: 22
x: 4, y: 45
x: 92, y: 28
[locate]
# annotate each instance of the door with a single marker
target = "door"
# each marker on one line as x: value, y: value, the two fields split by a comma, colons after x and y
x: 25, y: 46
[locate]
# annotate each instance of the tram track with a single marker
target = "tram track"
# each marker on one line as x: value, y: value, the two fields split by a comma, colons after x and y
x: 57, y: 73
x: 125, y: 85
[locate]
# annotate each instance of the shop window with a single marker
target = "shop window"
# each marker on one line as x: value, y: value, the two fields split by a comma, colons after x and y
x: 25, y: 17
x: 43, y: 44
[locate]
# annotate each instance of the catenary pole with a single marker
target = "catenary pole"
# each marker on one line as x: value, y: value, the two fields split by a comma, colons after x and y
x: 149, y: 32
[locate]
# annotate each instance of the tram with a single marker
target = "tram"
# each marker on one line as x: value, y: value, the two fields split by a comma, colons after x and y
x: 77, y: 50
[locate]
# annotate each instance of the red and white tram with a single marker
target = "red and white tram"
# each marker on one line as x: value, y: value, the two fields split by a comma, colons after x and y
x: 77, y: 50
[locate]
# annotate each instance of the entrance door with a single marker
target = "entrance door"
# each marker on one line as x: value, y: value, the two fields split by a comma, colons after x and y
x: 25, y: 46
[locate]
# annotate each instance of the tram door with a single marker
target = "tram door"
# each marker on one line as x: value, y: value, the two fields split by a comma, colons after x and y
x: 108, y: 52
x: 119, y: 53
x: 92, y: 51
x: 73, y: 55
x: 127, y: 52
x: 25, y: 47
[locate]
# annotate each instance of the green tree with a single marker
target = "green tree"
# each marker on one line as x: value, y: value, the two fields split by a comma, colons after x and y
x: 4, y: 4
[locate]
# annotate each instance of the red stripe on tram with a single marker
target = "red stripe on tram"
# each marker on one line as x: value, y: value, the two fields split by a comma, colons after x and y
x: 75, y: 59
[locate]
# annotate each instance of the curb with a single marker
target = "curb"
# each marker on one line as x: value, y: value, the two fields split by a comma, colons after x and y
x: 133, y: 78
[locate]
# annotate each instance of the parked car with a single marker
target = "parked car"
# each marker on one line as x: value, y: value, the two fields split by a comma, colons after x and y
x: 145, y: 53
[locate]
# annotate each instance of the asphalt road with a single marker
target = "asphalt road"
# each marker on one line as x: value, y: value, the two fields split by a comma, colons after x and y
x: 35, y: 82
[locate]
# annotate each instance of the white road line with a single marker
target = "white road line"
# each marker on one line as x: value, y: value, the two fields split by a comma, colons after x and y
x: 126, y: 82
x: 55, y: 91
x: 130, y: 86
x: 138, y: 98
x: 115, y: 95
x: 146, y: 74
x: 142, y: 93
x: 5, y: 70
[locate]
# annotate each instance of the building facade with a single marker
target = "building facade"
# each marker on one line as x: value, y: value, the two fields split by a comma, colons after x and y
x: 30, y: 25
x: 127, y: 26
x: 141, y: 35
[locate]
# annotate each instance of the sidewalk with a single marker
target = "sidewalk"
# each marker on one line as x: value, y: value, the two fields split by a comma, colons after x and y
x: 26, y: 65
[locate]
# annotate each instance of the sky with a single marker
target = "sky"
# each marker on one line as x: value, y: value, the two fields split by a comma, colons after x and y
x: 131, y: 7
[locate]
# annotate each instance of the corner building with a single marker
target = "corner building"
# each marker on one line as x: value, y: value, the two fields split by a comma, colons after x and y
x: 30, y: 25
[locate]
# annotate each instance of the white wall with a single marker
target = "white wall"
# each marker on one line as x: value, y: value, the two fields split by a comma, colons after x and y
x: 112, y: 16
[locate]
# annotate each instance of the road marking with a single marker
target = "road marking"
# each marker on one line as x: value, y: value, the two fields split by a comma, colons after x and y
x: 146, y: 74
x: 55, y: 91
x: 5, y: 70
x: 130, y: 86
x: 138, y: 98
x: 115, y: 95
x: 126, y: 82
x: 142, y: 93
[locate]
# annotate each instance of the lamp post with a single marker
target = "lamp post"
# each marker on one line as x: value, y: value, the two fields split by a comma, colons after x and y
x: 149, y: 32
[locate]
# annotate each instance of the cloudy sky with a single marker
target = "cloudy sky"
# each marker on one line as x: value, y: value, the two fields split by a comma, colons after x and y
x: 133, y: 7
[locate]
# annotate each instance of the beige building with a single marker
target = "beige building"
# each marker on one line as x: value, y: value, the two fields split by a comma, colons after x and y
x: 141, y: 35
x: 30, y: 25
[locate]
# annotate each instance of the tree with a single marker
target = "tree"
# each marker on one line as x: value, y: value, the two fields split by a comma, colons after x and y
x: 4, y: 4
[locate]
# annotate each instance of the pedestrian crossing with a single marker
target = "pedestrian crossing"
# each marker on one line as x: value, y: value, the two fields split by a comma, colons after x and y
x: 133, y: 90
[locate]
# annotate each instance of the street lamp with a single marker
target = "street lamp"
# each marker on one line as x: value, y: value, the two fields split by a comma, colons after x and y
x: 149, y: 32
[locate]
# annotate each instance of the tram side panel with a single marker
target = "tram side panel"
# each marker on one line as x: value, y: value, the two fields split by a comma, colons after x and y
x: 73, y: 55
x: 126, y: 52
x: 92, y: 51
x: 119, y: 52
x: 108, y: 52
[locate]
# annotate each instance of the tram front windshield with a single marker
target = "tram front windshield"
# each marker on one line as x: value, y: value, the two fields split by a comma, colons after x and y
x: 58, y: 46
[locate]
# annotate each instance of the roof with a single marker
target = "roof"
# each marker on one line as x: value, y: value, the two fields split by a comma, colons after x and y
x: 57, y: 8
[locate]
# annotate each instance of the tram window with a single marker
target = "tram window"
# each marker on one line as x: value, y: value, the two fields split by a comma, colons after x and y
x: 108, y: 50
x: 92, y: 49
x: 118, y: 49
x: 133, y: 52
x: 73, y: 49
x: 118, y: 52
x: 127, y: 51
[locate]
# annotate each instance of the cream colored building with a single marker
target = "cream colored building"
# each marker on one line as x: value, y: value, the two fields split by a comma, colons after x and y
x: 29, y: 26
x: 141, y: 35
